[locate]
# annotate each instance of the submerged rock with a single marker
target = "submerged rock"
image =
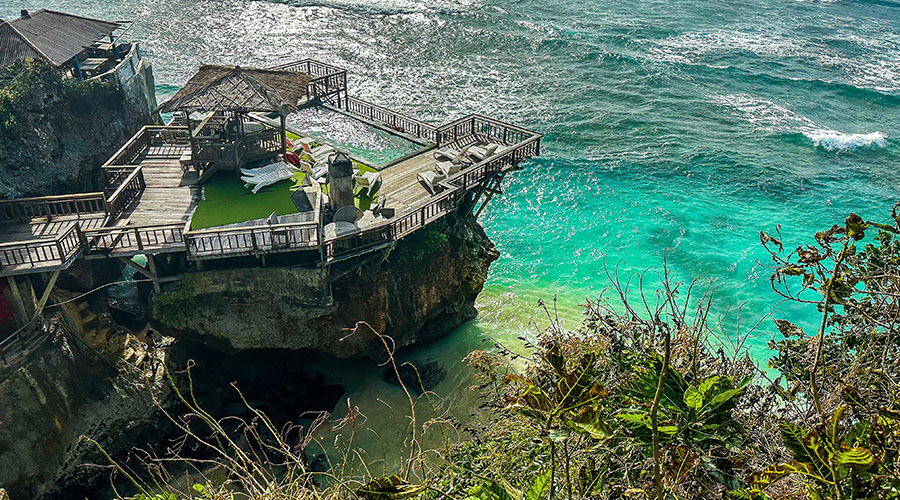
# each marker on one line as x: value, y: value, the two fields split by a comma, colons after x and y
x: 417, y: 377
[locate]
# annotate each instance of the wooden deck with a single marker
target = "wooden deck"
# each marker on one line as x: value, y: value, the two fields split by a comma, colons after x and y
x: 400, y: 185
x: 170, y: 195
x: 40, y: 245
x: 149, y: 201
x: 40, y: 228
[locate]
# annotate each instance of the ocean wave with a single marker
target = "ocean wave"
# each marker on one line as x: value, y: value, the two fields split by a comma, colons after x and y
x: 382, y: 7
x: 832, y: 140
x: 874, y: 69
x: 768, y: 116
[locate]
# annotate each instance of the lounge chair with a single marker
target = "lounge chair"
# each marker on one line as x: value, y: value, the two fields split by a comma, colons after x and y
x: 447, y: 168
x: 431, y: 179
x: 251, y: 172
x: 453, y: 155
x: 368, y: 180
x: 282, y: 172
x: 481, y: 153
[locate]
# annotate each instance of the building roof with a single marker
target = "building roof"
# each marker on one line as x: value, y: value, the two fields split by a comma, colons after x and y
x: 55, y: 36
x: 233, y: 88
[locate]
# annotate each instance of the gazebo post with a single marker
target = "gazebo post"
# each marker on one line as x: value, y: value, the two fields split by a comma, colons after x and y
x: 193, y: 142
x: 283, y: 133
x: 240, y: 145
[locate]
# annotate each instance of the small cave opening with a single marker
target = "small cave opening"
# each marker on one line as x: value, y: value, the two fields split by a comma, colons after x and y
x: 278, y: 382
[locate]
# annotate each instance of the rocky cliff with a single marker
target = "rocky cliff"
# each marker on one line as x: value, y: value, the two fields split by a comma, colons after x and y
x: 422, y: 289
x: 55, y: 134
x: 244, y: 324
x: 65, y: 389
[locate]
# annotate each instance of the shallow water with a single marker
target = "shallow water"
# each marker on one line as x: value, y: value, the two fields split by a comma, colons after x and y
x: 675, y: 129
x: 371, y: 145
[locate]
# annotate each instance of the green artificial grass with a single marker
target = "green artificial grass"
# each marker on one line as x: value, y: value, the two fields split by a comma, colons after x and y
x: 227, y: 201
x: 363, y: 202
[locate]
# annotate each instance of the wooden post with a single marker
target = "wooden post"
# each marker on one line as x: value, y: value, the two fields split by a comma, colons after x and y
x: 154, y: 275
x: 18, y: 304
x: 192, y: 142
x: 46, y: 294
x: 283, y: 133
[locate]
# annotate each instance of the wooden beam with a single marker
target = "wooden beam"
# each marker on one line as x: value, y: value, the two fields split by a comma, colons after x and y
x: 146, y: 273
x: 18, y: 304
x: 46, y: 295
x: 151, y: 261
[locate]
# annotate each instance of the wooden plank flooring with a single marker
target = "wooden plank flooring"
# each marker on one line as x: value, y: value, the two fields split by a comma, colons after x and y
x: 171, y: 194
x: 40, y: 228
x: 400, y: 185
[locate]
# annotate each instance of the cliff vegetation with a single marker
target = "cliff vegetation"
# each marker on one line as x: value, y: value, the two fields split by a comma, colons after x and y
x: 642, y: 401
x: 56, y: 132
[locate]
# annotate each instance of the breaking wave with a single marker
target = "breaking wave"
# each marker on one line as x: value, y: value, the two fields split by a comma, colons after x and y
x: 768, y: 116
x: 832, y: 140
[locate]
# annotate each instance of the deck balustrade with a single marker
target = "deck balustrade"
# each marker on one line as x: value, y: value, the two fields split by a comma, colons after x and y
x: 391, y: 119
x: 52, y: 206
x: 126, y: 183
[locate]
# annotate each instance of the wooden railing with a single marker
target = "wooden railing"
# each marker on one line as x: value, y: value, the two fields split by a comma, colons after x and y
x: 251, y: 240
x: 130, y: 189
x: 261, y: 144
x: 52, y: 206
x: 327, y: 85
x: 113, y: 175
x: 310, y: 67
x: 15, y: 347
x: 33, y: 253
x: 325, y: 79
x: 391, y: 119
x: 135, y: 239
x: 479, y: 127
x: 157, y: 135
x: 131, y: 150
x: 447, y: 200
x: 147, y: 136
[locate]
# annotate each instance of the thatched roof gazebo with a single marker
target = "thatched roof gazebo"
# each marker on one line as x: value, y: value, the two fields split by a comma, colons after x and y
x: 228, y: 136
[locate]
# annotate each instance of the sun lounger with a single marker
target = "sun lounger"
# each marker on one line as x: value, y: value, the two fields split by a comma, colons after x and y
x: 251, y: 172
x: 481, y: 153
x: 368, y: 180
x: 431, y: 179
x: 282, y: 172
x: 453, y: 155
x: 447, y: 168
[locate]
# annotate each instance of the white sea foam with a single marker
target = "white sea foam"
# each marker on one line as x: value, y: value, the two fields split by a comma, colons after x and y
x: 832, y: 140
x: 768, y: 116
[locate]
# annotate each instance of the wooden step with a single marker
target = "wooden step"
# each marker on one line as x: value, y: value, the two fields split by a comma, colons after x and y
x: 88, y: 317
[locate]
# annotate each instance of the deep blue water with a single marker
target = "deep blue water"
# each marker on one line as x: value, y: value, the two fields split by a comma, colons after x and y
x: 674, y: 129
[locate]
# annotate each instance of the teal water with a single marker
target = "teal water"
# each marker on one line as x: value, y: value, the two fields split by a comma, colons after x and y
x: 367, y: 143
x: 676, y: 129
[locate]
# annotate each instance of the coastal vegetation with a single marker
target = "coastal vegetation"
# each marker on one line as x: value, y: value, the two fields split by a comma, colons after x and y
x: 45, y: 121
x: 651, y: 397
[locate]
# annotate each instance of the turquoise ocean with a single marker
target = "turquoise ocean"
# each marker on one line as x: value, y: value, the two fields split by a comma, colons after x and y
x: 675, y: 129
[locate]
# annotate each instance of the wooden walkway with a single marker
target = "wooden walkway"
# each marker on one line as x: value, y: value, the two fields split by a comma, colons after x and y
x: 400, y: 185
x: 170, y: 195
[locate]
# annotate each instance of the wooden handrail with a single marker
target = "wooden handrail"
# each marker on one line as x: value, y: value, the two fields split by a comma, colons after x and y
x: 54, y: 197
x: 258, y: 226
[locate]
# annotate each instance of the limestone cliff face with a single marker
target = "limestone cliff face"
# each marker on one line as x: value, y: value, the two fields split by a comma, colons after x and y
x: 63, y: 390
x: 55, y: 134
x: 422, y: 289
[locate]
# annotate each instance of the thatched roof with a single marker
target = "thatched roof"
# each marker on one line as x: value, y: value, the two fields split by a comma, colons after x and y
x: 233, y: 88
x: 51, y: 35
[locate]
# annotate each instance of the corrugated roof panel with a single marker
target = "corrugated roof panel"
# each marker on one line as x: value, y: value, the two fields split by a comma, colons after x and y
x: 12, y: 47
x: 59, y: 36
